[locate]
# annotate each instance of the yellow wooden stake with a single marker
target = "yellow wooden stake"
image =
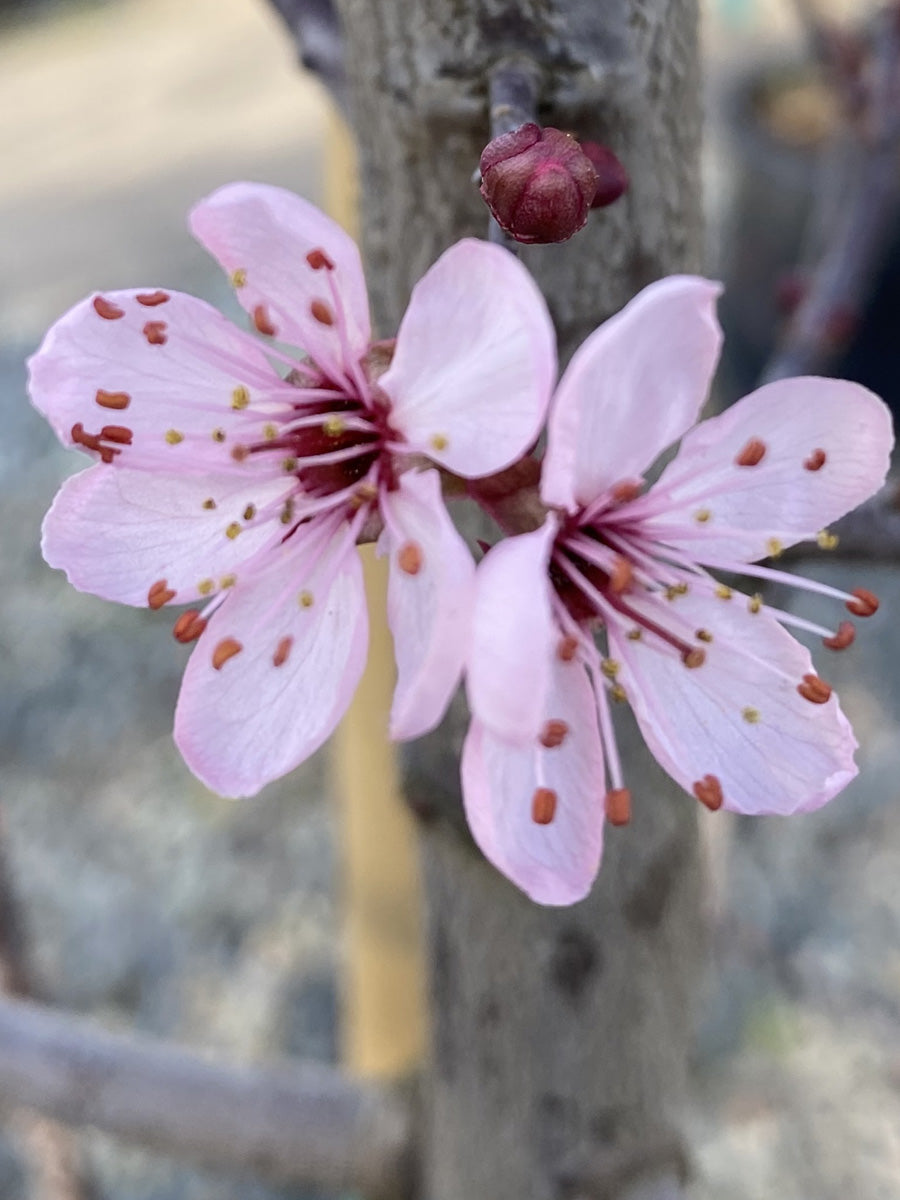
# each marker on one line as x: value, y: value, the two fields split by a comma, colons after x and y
x: 383, y: 990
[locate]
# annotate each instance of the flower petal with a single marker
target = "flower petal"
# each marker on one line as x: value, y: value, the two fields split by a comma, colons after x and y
x: 631, y: 390
x: 264, y: 237
x: 475, y: 361
x: 514, y: 636
x: 431, y: 593
x: 116, y: 532
x: 276, y: 701
x: 798, y: 422
x: 173, y: 390
x: 739, y: 716
x: 554, y: 863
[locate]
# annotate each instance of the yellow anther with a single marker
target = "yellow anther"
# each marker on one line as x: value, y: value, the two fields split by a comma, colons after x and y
x: 750, y: 715
x: 774, y: 547
x: 618, y: 693
x: 610, y: 667
x: 703, y: 635
x: 305, y: 599
x: 240, y: 397
x: 439, y: 441
x: 228, y: 581
x: 238, y: 277
x: 724, y: 592
x: 634, y: 635
x: 205, y: 586
x: 703, y: 515
x: 218, y: 435
x: 232, y: 530
x: 270, y: 431
x: 249, y: 512
x: 173, y: 437
x: 674, y: 590
x: 209, y: 503
x: 287, y: 513
x: 827, y: 540
x: 289, y: 464
x: 754, y: 604
x: 334, y: 426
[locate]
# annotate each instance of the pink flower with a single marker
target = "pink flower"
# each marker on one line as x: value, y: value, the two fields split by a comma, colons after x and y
x: 224, y: 481
x: 728, y: 702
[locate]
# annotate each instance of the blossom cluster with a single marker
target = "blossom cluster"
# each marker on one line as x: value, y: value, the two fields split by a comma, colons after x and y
x: 235, y: 472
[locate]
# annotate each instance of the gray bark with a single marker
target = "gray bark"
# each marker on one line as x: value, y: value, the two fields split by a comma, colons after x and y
x: 560, y: 1038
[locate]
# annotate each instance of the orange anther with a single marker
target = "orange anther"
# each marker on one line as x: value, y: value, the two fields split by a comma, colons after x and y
x: 543, y: 805
x: 708, y: 791
x: 814, y: 689
x: 155, y: 333
x: 622, y: 574
x: 865, y: 604
x: 321, y: 312
x: 151, y: 299
x: 107, y: 310
x: 159, y: 594
x: 618, y: 806
x: 567, y: 648
x: 318, y: 259
x: 554, y: 733
x: 117, y: 433
x: 263, y: 321
x: 118, y: 400
x: 626, y: 490
x: 845, y: 636
x: 816, y: 460
x: 754, y: 452
x: 227, y: 648
x: 282, y: 650
x: 188, y: 627
x: 410, y: 558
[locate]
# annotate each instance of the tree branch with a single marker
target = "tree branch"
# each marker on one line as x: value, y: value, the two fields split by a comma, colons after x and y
x: 307, y: 1125
x: 316, y: 29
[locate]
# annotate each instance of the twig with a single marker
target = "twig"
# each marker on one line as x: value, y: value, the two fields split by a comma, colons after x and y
x: 513, y: 96
x: 306, y: 1125
x: 316, y: 29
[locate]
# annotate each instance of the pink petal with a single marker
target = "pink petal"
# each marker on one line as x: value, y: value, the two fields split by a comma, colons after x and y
x: 430, y: 597
x: 555, y: 863
x: 116, y: 532
x: 631, y: 390
x: 176, y: 396
x: 475, y: 361
x: 739, y: 716
x: 252, y: 721
x: 268, y: 233
x: 779, y: 496
x: 514, y: 636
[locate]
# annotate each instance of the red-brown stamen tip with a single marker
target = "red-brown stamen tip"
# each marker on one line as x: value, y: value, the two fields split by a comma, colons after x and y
x: 318, y: 259
x: 410, y: 558
x: 617, y: 804
x: 155, y: 333
x: 188, y: 627
x: 227, y: 648
x: 708, y: 791
x: 816, y: 460
x: 567, y: 648
x: 543, y: 805
x: 626, y: 490
x: 622, y: 574
x: 107, y: 310
x: 263, y: 321
x: 117, y: 400
x: 239, y: 453
x: 117, y: 433
x: 693, y: 657
x: 159, y: 594
x: 282, y: 650
x: 752, y: 454
x: 865, y: 604
x: 814, y: 689
x: 554, y: 733
x: 321, y: 312
x: 152, y: 299
x: 845, y: 636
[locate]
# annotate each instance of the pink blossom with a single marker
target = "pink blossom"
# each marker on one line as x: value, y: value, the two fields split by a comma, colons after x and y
x: 238, y: 474
x: 728, y: 701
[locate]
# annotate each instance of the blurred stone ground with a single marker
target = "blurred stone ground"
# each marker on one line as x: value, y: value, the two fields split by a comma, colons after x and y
x: 155, y: 904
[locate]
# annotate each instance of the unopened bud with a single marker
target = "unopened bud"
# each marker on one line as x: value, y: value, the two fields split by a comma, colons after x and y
x: 612, y: 178
x: 538, y: 183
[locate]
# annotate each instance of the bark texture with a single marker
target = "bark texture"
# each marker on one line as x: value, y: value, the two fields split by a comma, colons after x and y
x: 560, y: 1037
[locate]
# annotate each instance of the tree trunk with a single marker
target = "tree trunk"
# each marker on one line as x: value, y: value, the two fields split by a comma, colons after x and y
x: 560, y: 1037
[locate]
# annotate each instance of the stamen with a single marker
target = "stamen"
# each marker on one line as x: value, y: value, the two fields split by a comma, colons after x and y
x: 724, y: 592
x: 554, y: 733
x: 750, y: 715
x: 159, y: 594
x: 703, y: 515
x: 814, y: 689
x: 318, y: 260
x: 439, y: 441
x: 240, y: 453
x: 865, y: 603
x: 117, y: 400
x: 106, y: 309
x: 227, y: 648
x: 610, y: 667
x: 306, y: 599
x: 543, y: 806
x: 774, y: 547
x: 816, y: 460
x: 334, y: 426
x: 155, y: 333
x: 693, y: 658
x: 321, y: 312
x: 618, y: 693
x: 174, y: 436
x: 232, y: 530
x: 752, y: 454
x: 634, y: 635
x: 410, y: 558
x: 188, y: 627
x: 567, y: 648
x: 238, y: 277
x: 240, y: 397
x: 845, y: 636
x: 622, y: 574
x: 152, y: 299
x: 205, y: 586
x: 708, y: 791
x: 218, y: 435
x: 120, y: 434
x: 703, y: 635
x: 754, y: 604
x: 826, y: 540
x: 249, y: 512
x: 617, y: 804
x: 282, y: 650
x: 625, y: 491
x: 209, y: 503
x: 263, y: 321
x: 228, y: 581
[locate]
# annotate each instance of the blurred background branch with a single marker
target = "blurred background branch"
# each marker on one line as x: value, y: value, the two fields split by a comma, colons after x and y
x: 316, y: 29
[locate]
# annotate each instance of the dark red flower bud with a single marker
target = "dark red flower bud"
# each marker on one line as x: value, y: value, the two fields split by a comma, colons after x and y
x: 538, y: 183
x: 612, y: 178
